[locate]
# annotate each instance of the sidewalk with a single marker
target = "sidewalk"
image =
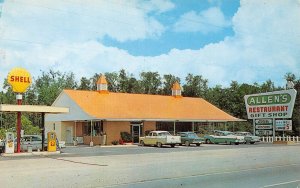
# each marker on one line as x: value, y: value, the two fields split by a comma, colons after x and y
x: 104, y: 146
x: 35, y: 153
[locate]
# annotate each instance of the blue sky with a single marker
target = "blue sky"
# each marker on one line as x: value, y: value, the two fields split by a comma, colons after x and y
x: 246, y: 41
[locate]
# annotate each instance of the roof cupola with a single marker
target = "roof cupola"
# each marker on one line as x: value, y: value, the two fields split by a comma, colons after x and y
x: 102, y: 84
x: 176, y: 90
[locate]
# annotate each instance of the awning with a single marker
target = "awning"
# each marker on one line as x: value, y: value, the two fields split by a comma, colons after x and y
x: 33, y: 108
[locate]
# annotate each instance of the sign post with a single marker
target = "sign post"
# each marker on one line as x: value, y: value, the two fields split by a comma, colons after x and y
x: 20, y: 80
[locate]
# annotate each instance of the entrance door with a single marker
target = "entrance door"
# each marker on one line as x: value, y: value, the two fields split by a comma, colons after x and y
x: 136, y: 133
x: 68, y: 137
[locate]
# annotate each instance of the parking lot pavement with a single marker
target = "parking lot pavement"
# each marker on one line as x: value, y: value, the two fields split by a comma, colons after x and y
x: 211, y: 166
x: 85, y: 150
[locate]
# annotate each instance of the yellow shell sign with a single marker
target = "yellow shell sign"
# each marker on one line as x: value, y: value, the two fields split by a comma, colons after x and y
x: 19, y: 79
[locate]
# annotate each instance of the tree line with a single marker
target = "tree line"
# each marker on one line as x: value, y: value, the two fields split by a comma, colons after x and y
x: 46, y: 87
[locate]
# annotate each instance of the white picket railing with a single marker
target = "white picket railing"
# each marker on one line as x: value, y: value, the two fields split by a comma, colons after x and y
x: 281, y: 138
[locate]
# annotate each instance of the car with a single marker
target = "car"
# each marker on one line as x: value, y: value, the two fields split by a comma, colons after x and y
x: 2, y: 146
x: 188, y: 138
x: 249, y: 138
x: 226, y: 137
x: 159, y: 138
x: 241, y: 138
x: 35, y: 141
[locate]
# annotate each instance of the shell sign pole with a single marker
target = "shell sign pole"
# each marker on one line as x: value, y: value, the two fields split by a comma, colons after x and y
x: 20, y: 80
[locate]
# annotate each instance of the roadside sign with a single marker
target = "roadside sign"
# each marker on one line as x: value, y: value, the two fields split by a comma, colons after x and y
x: 278, y: 104
x: 283, y: 125
x: 264, y: 132
x: 263, y: 127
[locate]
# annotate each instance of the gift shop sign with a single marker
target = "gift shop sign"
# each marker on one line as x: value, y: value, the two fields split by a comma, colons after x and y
x: 278, y: 104
x: 19, y: 79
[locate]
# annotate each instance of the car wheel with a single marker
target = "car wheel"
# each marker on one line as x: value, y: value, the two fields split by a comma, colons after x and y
x: 172, y: 145
x: 236, y: 143
x: 198, y: 144
x: 142, y: 143
x: 159, y: 144
x: 207, y: 141
x: 187, y: 143
x: 252, y: 142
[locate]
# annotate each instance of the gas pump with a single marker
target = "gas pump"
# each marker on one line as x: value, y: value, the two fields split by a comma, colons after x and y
x: 9, y: 143
x: 51, y: 141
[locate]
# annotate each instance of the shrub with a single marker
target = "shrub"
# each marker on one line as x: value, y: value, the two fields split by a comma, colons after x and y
x: 115, y: 142
x: 126, y: 137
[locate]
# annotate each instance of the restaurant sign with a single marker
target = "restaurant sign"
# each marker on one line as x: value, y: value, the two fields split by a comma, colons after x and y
x: 277, y: 104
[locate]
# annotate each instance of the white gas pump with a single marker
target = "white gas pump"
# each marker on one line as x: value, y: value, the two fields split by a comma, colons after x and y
x: 9, y: 143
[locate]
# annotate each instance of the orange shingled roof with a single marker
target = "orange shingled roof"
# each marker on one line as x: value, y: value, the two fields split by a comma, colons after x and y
x: 142, y: 106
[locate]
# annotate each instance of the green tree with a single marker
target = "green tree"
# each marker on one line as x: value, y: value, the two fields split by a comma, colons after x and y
x: 85, y: 84
x: 196, y: 86
x: 168, y: 81
x: 112, y: 81
x: 50, y: 85
x: 150, y: 82
x: 28, y: 127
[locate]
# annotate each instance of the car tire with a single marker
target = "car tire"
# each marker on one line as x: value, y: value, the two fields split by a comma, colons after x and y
x: 207, y: 141
x: 187, y: 143
x: 252, y: 142
x: 142, y: 143
x: 159, y: 144
x: 198, y: 144
x: 236, y: 143
x: 172, y: 145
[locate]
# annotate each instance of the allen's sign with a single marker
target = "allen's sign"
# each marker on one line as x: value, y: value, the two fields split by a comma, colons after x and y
x: 278, y: 104
x: 19, y: 79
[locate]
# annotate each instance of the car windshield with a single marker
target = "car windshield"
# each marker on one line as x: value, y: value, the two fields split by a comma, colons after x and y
x: 164, y: 134
x: 192, y: 135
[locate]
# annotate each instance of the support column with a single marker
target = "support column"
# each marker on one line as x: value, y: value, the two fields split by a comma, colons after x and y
x: 273, y: 129
x: 19, y: 126
x: 75, y: 135
x: 43, y: 130
x: 254, y: 133
x: 174, y: 127
x: 91, y: 143
x: 193, y: 126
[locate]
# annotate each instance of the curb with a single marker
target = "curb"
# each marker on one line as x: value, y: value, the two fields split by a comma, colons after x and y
x: 38, y: 153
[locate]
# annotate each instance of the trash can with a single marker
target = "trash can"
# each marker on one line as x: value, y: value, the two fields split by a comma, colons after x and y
x: 29, y: 149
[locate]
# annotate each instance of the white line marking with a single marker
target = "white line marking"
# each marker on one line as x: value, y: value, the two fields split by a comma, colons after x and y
x: 283, y: 183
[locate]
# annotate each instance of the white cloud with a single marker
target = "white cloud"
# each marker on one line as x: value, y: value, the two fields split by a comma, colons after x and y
x: 210, y: 20
x: 46, y: 21
x: 261, y: 49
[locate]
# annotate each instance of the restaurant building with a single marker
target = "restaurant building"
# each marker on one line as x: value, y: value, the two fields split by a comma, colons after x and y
x: 99, y: 117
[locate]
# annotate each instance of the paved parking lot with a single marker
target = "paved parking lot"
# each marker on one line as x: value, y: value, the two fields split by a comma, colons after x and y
x: 261, y: 165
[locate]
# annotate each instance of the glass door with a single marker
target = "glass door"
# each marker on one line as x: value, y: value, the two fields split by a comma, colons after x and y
x: 136, y: 133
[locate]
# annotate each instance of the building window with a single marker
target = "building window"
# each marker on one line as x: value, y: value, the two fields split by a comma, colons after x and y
x: 169, y: 126
x: 97, y: 128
